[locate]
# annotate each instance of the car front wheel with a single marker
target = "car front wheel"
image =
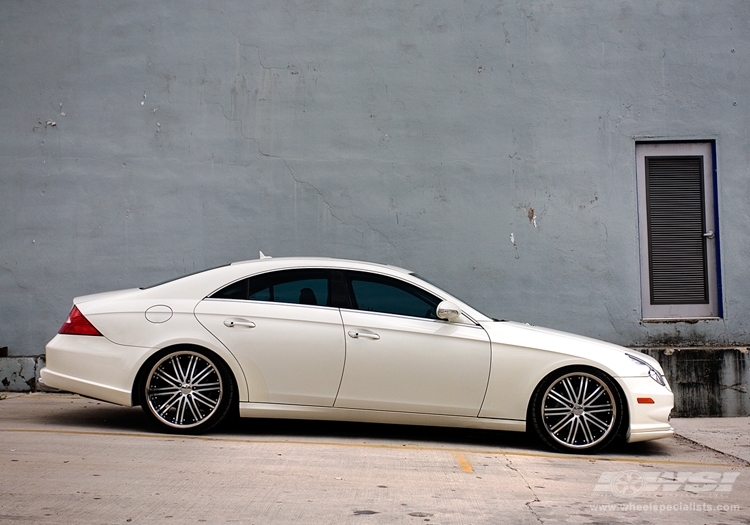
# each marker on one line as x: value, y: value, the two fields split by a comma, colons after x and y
x: 186, y: 391
x: 577, y: 411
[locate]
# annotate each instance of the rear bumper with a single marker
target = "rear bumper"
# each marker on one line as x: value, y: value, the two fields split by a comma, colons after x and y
x: 92, y: 366
x: 85, y: 388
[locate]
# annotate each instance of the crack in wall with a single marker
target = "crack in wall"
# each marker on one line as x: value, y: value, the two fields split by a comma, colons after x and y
x: 263, y: 96
x: 18, y: 282
x: 739, y: 387
x: 328, y: 205
x: 239, y: 42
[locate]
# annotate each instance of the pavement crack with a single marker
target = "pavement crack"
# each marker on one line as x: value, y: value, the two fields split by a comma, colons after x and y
x: 529, y: 503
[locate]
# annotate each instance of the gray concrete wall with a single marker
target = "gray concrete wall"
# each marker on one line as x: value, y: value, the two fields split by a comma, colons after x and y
x: 706, y: 382
x: 141, y: 140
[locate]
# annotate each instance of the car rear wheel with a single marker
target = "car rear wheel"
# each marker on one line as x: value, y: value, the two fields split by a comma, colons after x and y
x: 577, y: 411
x: 187, y: 391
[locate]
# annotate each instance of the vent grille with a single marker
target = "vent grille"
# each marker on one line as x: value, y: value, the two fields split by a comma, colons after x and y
x: 677, y: 248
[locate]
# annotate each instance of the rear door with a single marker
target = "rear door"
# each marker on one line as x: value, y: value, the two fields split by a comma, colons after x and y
x: 286, y: 337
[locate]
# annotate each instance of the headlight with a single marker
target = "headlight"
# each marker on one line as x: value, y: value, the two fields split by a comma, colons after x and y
x: 653, y: 373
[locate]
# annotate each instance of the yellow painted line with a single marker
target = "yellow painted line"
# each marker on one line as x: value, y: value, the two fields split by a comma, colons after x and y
x: 495, y: 452
x: 463, y: 463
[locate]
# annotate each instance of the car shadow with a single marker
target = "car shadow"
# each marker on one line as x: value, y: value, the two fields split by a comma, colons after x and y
x: 373, y: 432
x: 97, y: 416
x: 417, y: 435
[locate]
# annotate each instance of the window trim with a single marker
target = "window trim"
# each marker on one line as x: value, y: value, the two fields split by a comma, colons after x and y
x: 338, y: 273
x: 327, y: 271
x: 680, y: 312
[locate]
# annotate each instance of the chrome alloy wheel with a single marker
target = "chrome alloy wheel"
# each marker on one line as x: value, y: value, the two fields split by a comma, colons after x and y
x: 579, y: 411
x: 184, y: 389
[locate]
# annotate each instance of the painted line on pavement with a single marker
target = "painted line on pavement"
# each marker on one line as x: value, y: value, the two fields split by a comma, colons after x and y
x: 498, y: 452
x: 463, y: 463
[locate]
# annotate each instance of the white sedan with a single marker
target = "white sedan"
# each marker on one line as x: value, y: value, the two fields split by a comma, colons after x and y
x: 329, y: 339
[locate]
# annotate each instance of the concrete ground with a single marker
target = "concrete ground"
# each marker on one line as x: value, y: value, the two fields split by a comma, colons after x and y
x: 65, y: 459
x: 730, y: 435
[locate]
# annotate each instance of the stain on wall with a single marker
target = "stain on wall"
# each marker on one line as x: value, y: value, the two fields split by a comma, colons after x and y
x: 707, y: 382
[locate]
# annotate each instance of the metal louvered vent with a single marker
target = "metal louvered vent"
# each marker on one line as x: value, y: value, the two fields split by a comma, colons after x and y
x: 677, y: 248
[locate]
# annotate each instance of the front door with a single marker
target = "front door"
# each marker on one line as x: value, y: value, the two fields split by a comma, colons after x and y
x: 401, y: 357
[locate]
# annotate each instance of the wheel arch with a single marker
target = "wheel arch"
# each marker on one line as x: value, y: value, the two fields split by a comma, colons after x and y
x: 624, y: 426
x: 137, y: 395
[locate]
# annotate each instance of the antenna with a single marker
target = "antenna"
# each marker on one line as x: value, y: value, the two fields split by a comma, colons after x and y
x: 264, y: 256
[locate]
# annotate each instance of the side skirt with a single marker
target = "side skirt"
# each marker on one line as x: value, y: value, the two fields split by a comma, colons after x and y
x: 279, y: 411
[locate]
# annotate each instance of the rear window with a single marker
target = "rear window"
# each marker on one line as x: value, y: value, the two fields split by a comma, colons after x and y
x: 182, y: 277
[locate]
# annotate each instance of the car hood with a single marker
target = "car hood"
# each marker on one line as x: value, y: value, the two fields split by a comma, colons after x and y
x: 580, y: 348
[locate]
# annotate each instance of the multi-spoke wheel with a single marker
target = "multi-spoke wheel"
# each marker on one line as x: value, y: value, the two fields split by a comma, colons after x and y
x: 186, y: 391
x: 577, y: 411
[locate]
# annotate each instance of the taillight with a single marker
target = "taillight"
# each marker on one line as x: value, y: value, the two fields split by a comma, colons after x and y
x: 77, y: 324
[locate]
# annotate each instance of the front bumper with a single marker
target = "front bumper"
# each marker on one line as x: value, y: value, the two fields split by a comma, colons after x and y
x: 647, y: 420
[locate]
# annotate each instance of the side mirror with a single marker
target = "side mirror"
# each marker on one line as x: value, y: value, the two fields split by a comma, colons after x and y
x: 448, y: 311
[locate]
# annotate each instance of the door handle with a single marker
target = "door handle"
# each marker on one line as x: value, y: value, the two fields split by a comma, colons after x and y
x: 709, y: 235
x: 231, y: 323
x: 364, y: 333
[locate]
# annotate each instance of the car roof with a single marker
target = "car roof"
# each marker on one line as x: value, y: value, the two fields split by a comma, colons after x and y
x: 332, y: 262
x: 208, y: 281
x: 199, y: 285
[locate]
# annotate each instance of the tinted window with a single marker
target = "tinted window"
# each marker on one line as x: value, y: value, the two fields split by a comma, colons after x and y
x: 236, y: 290
x: 286, y: 286
x: 375, y: 293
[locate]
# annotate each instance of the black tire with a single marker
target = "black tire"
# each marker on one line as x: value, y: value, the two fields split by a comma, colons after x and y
x: 186, y: 390
x: 577, y: 411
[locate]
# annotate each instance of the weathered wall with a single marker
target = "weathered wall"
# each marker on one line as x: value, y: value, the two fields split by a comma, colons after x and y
x: 141, y: 140
x: 21, y: 374
x: 706, y: 382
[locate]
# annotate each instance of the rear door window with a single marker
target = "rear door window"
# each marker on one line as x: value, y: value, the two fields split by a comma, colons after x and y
x: 305, y: 286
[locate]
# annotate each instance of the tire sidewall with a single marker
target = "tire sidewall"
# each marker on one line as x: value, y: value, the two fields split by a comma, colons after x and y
x: 536, y: 415
x: 228, y: 391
